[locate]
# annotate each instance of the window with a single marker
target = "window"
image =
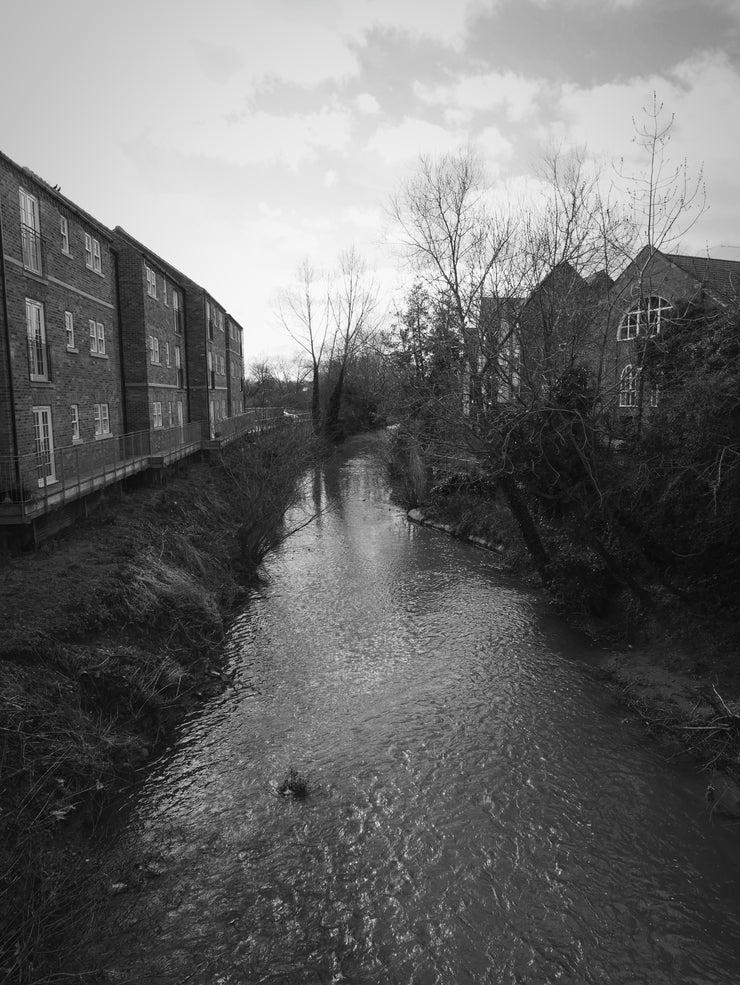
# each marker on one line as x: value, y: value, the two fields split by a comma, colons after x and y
x: 178, y: 367
x: 167, y: 353
x: 169, y: 412
x: 74, y: 413
x: 164, y: 291
x: 154, y: 350
x: 64, y: 230
x: 151, y: 282
x: 654, y: 396
x: 69, y: 328
x: 44, y: 445
x: 645, y: 317
x: 102, y: 420
x: 220, y: 320
x: 176, y: 315
x: 157, y: 413
x: 30, y: 232
x: 92, y: 254
x: 628, y: 386
x: 97, y: 338
x: 38, y: 356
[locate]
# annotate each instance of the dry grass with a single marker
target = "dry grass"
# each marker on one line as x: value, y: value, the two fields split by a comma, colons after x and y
x: 107, y: 639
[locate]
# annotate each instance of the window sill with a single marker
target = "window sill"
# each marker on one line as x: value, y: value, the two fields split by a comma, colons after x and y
x: 73, y: 348
x: 66, y: 253
x: 98, y: 355
x: 77, y: 441
x: 103, y: 437
x: 98, y: 273
x: 46, y: 384
x: 48, y: 481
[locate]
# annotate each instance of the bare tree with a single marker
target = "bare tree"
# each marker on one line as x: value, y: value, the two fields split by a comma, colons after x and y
x: 452, y: 239
x: 353, y: 304
x: 305, y: 317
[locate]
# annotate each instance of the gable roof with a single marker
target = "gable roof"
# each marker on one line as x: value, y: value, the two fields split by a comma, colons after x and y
x: 721, y: 277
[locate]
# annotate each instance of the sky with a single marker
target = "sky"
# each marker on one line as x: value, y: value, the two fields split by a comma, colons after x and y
x: 237, y: 138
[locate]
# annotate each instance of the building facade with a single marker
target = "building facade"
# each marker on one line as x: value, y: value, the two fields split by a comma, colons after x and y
x: 153, y: 332
x: 61, y: 392
x: 112, y: 361
x: 642, y: 301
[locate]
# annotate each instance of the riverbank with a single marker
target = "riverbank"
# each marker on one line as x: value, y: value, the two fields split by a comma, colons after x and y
x: 108, y: 639
x: 676, y: 670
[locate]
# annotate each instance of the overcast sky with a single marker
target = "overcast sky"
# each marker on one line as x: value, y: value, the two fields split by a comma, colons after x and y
x: 236, y: 137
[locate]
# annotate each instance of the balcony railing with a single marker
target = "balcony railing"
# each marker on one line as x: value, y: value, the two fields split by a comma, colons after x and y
x: 39, y: 360
x: 32, y: 249
x: 35, y: 483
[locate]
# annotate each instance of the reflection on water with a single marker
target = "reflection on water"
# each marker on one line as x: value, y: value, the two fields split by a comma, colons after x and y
x: 478, y: 811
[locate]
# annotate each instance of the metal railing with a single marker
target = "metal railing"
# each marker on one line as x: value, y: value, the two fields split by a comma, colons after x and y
x: 39, y: 359
x: 32, y: 249
x: 34, y: 483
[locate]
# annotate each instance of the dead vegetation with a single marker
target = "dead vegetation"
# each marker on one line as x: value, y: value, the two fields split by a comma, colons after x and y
x: 108, y: 637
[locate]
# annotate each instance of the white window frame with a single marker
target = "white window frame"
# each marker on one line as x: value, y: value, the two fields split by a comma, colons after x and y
x: 167, y: 354
x: 151, y: 281
x: 157, y: 413
x: 97, y: 257
x: 88, y: 251
x: 101, y: 338
x: 647, y: 313
x: 74, y: 412
x: 164, y: 292
x: 93, y: 328
x: 176, y: 310
x: 69, y: 328
x: 30, y: 227
x: 43, y: 428
x: 64, y: 230
x: 101, y: 418
x: 38, y: 357
x: 628, y: 386
x: 154, y: 350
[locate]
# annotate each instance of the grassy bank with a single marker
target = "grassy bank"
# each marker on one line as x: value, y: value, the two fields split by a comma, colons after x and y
x: 108, y: 638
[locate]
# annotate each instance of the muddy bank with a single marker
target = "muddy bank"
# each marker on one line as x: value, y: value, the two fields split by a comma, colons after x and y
x: 676, y: 671
x: 108, y: 638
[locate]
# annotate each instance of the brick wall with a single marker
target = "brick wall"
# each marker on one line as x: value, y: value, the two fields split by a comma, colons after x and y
x: 73, y: 372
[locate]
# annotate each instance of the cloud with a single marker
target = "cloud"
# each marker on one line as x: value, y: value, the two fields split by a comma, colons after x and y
x: 367, y: 103
x: 444, y: 21
x: 330, y: 177
x: 254, y: 138
x: 364, y: 218
x: 513, y: 94
x: 218, y: 62
x: 412, y: 137
x: 703, y: 92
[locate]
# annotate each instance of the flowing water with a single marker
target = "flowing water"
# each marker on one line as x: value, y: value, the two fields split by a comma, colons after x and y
x: 479, y: 809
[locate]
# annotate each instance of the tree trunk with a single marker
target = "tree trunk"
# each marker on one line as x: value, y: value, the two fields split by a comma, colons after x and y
x: 332, y: 426
x: 528, y: 527
x: 315, y: 399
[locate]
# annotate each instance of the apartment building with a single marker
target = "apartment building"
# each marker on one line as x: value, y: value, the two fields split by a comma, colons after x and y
x: 207, y: 357
x: 234, y: 367
x: 153, y: 334
x: 61, y: 393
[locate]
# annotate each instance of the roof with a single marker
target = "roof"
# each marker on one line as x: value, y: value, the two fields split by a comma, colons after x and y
x: 722, y: 277
x: 55, y: 193
x: 164, y: 264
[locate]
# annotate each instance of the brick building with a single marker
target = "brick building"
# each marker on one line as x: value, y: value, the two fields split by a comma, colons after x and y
x: 153, y: 333
x: 640, y: 301
x: 61, y: 396
x: 234, y: 367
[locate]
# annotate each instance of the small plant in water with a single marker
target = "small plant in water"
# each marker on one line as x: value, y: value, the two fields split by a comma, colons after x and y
x: 293, y: 783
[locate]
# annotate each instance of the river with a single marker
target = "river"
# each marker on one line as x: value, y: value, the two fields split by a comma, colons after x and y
x: 480, y: 808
